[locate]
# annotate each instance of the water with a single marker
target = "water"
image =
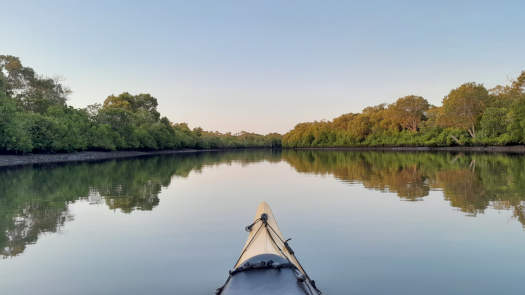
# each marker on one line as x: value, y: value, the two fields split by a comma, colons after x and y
x: 361, y: 222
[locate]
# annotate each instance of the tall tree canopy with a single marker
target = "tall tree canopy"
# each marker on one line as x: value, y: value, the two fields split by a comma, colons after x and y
x: 470, y: 115
x: 34, y: 117
x: 34, y: 93
x: 410, y: 111
x: 134, y: 103
x: 463, y: 107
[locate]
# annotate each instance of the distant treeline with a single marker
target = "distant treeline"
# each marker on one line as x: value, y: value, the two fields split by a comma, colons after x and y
x: 469, y: 115
x: 34, y: 117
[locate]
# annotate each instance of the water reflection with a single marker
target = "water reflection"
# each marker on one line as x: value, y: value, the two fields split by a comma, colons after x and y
x: 34, y: 200
x: 470, y: 182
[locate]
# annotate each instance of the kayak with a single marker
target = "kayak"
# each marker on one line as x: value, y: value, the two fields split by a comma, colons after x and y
x: 267, y: 264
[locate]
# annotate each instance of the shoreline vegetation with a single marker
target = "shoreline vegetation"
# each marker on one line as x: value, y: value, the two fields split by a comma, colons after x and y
x: 470, y: 115
x: 35, y: 119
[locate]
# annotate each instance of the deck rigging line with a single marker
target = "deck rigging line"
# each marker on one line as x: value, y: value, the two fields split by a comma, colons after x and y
x: 269, y: 229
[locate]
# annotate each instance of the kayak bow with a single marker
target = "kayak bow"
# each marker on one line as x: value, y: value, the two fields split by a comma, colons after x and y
x: 267, y: 264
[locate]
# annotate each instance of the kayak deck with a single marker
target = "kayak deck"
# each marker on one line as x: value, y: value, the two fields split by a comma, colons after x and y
x: 267, y: 264
x: 261, y: 241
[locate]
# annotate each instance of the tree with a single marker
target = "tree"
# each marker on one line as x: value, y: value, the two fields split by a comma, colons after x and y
x: 146, y: 102
x: 493, y: 122
x: 134, y: 103
x: 516, y: 128
x: 3, y: 85
x: 14, y: 136
x: 463, y: 106
x: 34, y: 116
x: 379, y: 118
x: 505, y: 96
x: 410, y: 111
x: 122, y: 101
x: 360, y: 127
x: 123, y: 122
x: 518, y: 85
x: 33, y: 92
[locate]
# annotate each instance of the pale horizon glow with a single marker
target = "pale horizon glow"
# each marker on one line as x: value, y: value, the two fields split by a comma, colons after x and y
x: 264, y: 67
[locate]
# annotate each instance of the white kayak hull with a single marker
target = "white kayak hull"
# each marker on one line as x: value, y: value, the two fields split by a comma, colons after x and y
x: 267, y: 264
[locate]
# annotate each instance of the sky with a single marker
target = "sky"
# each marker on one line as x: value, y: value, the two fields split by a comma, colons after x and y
x: 264, y: 66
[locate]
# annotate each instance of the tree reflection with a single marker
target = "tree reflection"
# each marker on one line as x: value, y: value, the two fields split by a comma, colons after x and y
x: 35, y: 200
x: 470, y: 182
x: 392, y: 172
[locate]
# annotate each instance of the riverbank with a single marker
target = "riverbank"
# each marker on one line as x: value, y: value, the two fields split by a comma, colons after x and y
x: 518, y: 149
x: 29, y: 159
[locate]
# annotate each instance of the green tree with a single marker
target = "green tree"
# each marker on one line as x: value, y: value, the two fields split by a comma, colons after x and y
x: 517, y: 121
x: 33, y: 92
x: 518, y: 85
x: 410, y: 111
x: 134, y: 103
x: 463, y: 106
x: 494, y: 122
x: 3, y: 85
x: 123, y: 122
x: 14, y: 136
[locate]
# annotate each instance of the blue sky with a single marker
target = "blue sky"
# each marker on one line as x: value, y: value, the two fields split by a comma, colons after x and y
x: 264, y: 66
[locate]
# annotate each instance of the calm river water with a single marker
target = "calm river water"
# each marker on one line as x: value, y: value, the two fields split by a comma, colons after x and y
x: 361, y: 222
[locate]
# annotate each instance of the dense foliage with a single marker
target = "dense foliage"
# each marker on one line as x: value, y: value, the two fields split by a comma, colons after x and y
x: 34, y: 117
x: 469, y: 115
